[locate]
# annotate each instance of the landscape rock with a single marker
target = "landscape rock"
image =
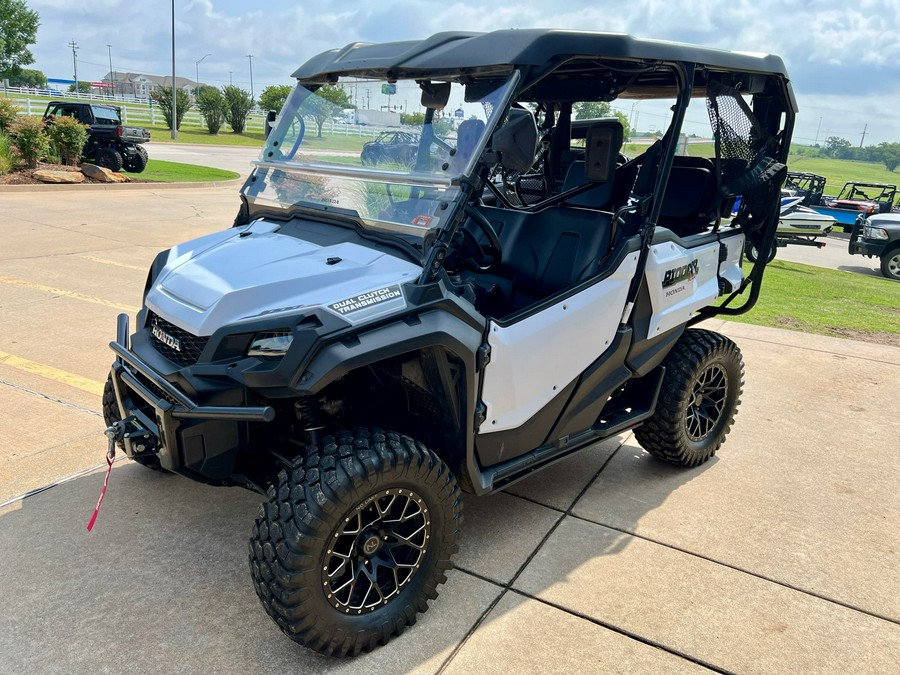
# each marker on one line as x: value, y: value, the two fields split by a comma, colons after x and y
x: 102, y: 174
x: 51, y: 176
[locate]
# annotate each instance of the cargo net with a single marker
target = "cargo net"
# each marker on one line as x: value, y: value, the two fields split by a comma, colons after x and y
x: 742, y: 152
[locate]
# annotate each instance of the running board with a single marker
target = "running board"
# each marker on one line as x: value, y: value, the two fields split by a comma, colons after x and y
x: 626, y: 415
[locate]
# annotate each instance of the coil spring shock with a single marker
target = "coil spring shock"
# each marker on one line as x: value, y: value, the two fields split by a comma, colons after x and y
x: 309, y: 413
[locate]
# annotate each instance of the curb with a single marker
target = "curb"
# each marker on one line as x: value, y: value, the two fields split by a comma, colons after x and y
x: 47, y: 187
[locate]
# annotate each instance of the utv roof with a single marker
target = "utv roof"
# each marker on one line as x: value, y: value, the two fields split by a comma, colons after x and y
x: 453, y: 51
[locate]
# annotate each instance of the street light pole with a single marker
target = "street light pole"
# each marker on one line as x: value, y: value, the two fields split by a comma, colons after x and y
x: 250, y: 57
x: 197, y: 63
x: 174, y: 97
x: 112, y: 76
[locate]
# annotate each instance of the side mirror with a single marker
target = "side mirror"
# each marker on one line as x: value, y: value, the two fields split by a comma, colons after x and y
x: 435, y: 94
x: 517, y: 140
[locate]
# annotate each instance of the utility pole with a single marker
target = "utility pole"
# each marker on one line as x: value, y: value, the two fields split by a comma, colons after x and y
x: 74, y: 46
x: 250, y: 57
x: 112, y: 77
x: 230, y: 83
x: 863, y: 135
x: 819, y: 128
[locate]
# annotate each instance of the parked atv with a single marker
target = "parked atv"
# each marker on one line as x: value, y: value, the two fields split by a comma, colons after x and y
x: 368, y: 341
x: 109, y: 143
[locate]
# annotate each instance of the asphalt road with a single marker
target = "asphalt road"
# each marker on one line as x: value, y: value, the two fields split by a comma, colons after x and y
x: 227, y: 157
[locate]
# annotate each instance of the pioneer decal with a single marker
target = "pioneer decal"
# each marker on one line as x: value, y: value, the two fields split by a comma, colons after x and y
x: 681, y: 273
x: 366, y: 300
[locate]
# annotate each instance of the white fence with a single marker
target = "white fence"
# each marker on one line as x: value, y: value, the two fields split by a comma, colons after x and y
x: 142, y: 114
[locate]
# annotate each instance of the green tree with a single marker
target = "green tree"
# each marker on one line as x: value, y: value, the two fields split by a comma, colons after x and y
x: 211, y: 104
x: 274, y: 96
x: 595, y: 110
x: 238, y: 105
x: 27, y: 77
x: 327, y: 102
x: 83, y: 87
x: 888, y: 154
x: 18, y: 29
x: 415, y: 119
x: 162, y: 96
x: 837, y: 147
x: 68, y: 136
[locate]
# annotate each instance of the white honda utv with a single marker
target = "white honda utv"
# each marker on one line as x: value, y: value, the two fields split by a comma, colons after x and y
x: 368, y: 340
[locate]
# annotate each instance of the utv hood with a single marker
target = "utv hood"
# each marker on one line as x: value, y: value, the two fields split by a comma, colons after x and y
x: 241, y: 274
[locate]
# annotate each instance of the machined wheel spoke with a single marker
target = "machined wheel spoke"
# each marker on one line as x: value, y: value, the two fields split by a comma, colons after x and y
x: 376, y: 551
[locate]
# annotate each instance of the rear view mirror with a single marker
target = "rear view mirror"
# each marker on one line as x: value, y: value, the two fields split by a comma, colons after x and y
x: 517, y: 140
x: 435, y: 94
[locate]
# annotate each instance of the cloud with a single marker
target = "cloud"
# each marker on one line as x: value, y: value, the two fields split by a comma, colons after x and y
x: 837, y: 53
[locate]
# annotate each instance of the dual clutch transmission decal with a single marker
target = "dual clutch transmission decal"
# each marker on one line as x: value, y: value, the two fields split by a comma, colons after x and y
x: 367, y: 305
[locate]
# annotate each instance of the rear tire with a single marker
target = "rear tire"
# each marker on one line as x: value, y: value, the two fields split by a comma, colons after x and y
x: 701, y: 391
x: 137, y: 162
x: 109, y: 158
x: 354, y: 540
x: 890, y: 264
x: 111, y: 416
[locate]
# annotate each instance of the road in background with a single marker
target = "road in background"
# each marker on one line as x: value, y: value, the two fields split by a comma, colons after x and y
x: 228, y: 157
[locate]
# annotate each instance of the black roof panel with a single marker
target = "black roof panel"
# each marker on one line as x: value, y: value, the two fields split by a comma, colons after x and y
x: 451, y: 51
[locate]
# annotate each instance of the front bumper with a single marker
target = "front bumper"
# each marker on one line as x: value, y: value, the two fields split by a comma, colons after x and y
x: 195, y: 440
x: 867, y: 247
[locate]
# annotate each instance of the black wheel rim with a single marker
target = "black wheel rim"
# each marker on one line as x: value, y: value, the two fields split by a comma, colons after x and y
x: 706, y: 402
x: 376, y: 551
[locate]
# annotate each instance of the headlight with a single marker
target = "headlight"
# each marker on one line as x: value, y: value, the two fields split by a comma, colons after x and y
x: 270, y: 343
x: 875, y: 232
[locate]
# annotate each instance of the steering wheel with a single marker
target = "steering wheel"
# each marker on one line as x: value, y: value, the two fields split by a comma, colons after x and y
x: 494, y: 250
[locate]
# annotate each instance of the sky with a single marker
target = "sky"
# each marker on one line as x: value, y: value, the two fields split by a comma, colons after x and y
x: 842, y: 57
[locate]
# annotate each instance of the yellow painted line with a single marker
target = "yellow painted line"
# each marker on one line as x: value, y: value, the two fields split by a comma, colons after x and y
x: 68, y: 294
x: 113, y: 262
x: 51, y: 373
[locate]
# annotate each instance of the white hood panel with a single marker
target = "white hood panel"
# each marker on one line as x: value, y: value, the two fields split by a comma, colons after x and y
x: 226, y: 277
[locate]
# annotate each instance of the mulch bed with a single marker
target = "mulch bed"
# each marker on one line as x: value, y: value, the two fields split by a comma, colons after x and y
x: 25, y: 176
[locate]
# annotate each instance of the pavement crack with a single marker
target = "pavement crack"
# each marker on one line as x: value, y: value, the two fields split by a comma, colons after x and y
x: 68, y: 404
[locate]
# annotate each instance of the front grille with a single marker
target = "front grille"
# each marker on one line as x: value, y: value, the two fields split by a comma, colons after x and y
x: 175, y: 344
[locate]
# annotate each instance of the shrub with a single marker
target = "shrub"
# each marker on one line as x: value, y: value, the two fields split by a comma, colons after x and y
x: 68, y: 136
x: 211, y: 104
x: 237, y: 107
x: 6, y: 155
x: 163, y: 97
x: 29, y: 140
x: 9, y: 111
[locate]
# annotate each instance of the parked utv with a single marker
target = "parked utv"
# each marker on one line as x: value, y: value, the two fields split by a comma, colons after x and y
x: 109, y: 143
x: 367, y: 341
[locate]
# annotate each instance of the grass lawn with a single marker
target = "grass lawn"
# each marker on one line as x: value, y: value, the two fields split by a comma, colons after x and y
x: 828, y: 302
x: 174, y: 172
x: 159, y: 133
x: 839, y: 171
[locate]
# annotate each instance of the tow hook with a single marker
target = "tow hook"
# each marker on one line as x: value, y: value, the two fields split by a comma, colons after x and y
x: 116, y: 434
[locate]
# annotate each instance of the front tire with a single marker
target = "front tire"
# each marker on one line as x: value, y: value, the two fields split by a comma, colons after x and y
x: 109, y: 158
x: 752, y: 253
x: 700, y: 394
x: 354, y: 540
x: 890, y: 264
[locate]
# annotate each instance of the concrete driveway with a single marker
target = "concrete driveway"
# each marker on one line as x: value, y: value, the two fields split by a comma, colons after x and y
x: 780, y: 555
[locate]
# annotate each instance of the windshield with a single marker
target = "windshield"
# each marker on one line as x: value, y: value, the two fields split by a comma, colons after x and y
x: 371, y: 150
